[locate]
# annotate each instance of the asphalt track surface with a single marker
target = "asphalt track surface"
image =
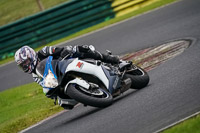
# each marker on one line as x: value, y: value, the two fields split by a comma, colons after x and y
x: 172, y: 94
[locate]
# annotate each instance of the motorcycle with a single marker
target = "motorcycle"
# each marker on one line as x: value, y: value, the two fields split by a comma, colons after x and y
x: 90, y: 82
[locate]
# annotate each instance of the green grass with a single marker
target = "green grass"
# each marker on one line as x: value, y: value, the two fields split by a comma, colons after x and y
x: 101, y: 25
x: 191, y: 125
x: 12, y: 10
x: 7, y: 60
x: 23, y: 106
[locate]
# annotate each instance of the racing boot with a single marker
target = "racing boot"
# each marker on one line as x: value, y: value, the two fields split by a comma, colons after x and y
x: 86, y: 51
x: 102, y: 57
x: 110, y: 59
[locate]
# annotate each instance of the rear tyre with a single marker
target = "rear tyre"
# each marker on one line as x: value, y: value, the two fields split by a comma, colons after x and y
x: 139, y: 78
x: 101, y: 98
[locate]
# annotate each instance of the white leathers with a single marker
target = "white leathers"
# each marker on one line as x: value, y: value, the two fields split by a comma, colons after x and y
x: 84, y: 67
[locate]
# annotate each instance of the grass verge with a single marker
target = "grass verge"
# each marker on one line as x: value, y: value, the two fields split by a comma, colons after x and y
x: 23, y: 106
x: 104, y: 24
x: 12, y: 10
x: 189, y: 126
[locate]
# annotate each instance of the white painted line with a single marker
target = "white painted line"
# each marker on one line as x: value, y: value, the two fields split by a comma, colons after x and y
x: 6, y: 64
x: 51, y: 117
x: 114, y: 24
x: 175, y: 123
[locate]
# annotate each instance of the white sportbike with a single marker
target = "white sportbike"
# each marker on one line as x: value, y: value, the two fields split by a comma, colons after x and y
x: 88, y: 81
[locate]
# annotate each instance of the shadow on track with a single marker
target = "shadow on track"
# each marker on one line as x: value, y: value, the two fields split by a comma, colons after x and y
x: 87, y: 112
x: 128, y: 93
x: 77, y: 117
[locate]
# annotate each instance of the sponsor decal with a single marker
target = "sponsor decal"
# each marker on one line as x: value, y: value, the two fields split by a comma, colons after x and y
x: 79, y: 64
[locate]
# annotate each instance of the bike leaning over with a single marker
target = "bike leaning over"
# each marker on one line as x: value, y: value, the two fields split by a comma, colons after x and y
x: 87, y: 81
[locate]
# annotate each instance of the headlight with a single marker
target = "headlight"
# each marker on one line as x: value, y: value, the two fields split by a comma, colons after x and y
x: 50, y: 81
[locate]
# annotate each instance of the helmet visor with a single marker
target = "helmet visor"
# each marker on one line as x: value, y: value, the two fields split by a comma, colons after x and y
x: 25, y: 65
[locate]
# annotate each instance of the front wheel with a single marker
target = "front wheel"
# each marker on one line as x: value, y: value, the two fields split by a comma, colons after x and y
x: 139, y: 78
x: 97, y: 97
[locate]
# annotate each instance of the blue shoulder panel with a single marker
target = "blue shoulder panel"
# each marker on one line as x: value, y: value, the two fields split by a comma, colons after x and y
x: 49, y: 67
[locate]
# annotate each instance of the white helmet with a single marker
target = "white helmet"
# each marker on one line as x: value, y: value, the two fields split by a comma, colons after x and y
x: 26, y: 59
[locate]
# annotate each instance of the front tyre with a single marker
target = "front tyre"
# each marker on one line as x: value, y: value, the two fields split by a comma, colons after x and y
x: 98, y: 98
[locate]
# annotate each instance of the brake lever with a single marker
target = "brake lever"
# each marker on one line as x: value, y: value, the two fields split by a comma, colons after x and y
x: 68, y: 55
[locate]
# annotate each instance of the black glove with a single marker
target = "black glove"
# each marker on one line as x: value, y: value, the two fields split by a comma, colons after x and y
x: 66, y: 52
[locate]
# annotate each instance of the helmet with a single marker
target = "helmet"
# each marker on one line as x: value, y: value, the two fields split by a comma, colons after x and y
x: 26, y: 59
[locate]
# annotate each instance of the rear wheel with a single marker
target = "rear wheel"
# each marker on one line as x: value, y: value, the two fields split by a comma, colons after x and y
x: 96, y: 97
x: 139, y: 77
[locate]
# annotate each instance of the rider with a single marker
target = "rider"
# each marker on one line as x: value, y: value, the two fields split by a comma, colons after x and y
x: 27, y: 59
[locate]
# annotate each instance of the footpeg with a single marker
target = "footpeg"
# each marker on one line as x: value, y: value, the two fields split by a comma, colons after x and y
x: 109, y: 52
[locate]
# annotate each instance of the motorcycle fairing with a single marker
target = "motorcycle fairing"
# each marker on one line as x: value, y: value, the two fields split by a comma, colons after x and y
x: 88, y: 68
x: 49, y: 77
x: 49, y: 67
x: 114, y: 81
x: 78, y: 81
